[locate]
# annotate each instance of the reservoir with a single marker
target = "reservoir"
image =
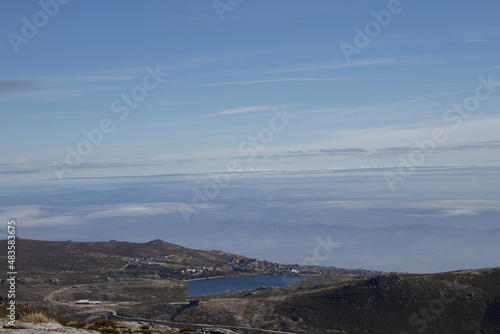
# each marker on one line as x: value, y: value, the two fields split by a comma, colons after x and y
x: 204, y: 287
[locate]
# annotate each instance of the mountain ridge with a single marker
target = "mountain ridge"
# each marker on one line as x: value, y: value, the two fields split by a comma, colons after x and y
x: 147, y: 281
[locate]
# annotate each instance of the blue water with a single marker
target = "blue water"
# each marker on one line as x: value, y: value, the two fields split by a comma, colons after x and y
x: 205, y: 287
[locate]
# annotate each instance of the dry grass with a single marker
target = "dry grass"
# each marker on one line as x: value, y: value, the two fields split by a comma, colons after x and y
x: 37, y: 317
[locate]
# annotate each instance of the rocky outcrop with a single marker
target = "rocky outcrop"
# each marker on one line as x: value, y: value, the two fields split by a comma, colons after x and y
x: 121, y: 326
x: 44, y: 328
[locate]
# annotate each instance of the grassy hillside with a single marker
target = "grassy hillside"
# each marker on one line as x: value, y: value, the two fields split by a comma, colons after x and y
x: 144, y: 280
x: 458, y: 302
x: 50, y: 256
x: 111, y: 271
x: 455, y: 303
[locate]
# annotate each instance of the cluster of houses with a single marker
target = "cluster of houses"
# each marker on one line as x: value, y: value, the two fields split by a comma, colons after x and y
x: 252, y: 265
x: 235, y: 264
x: 143, y: 260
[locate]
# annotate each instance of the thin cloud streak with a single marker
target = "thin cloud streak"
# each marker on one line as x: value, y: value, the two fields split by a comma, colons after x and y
x: 243, y: 110
x: 404, y: 102
x: 265, y: 81
x: 476, y: 40
x: 364, y: 63
x: 10, y: 86
x: 340, y: 65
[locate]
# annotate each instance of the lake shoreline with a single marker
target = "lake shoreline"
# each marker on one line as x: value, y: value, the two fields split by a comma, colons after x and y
x: 198, y: 287
x: 203, y: 278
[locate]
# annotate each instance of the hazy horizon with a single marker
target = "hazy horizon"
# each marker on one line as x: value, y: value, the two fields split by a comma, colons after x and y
x: 347, y: 134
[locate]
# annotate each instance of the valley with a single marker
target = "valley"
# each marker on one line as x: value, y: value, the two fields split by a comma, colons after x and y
x: 147, y: 282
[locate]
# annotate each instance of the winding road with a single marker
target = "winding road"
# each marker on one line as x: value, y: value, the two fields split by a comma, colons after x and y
x: 114, y: 314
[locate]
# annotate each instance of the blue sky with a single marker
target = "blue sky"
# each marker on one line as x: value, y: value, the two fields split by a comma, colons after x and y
x: 223, y: 82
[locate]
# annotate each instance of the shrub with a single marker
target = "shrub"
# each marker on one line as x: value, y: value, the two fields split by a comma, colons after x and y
x: 109, y: 330
x: 78, y: 324
x: 37, y: 317
x: 24, y: 310
x: 105, y: 323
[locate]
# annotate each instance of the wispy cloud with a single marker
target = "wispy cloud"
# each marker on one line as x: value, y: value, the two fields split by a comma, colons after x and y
x: 19, y: 166
x: 453, y: 208
x: 123, y: 74
x: 45, y: 215
x: 249, y: 82
x: 243, y: 110
x: 476, y: 40
x: 177, y: 103
x: 362, y: 63
x: 316, y: 153
x: 382, y: 152
x: 491, y: 68
x: 14, y: 162
x: 39, y: 215
x: 480, y: 129
x: 12, y: 86
x: 418, y: 207
x: 432, y: 96
x: 26, y: 171
x: 135, y: 210
x: 337, y: 65
x: 67, y: 86
x: 468, y: 40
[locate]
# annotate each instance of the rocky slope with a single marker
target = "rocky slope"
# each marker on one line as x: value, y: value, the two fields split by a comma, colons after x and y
x: 456, y: 302
x: 120, y: 327
x: 46, y: 328
x: 53, y: 275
